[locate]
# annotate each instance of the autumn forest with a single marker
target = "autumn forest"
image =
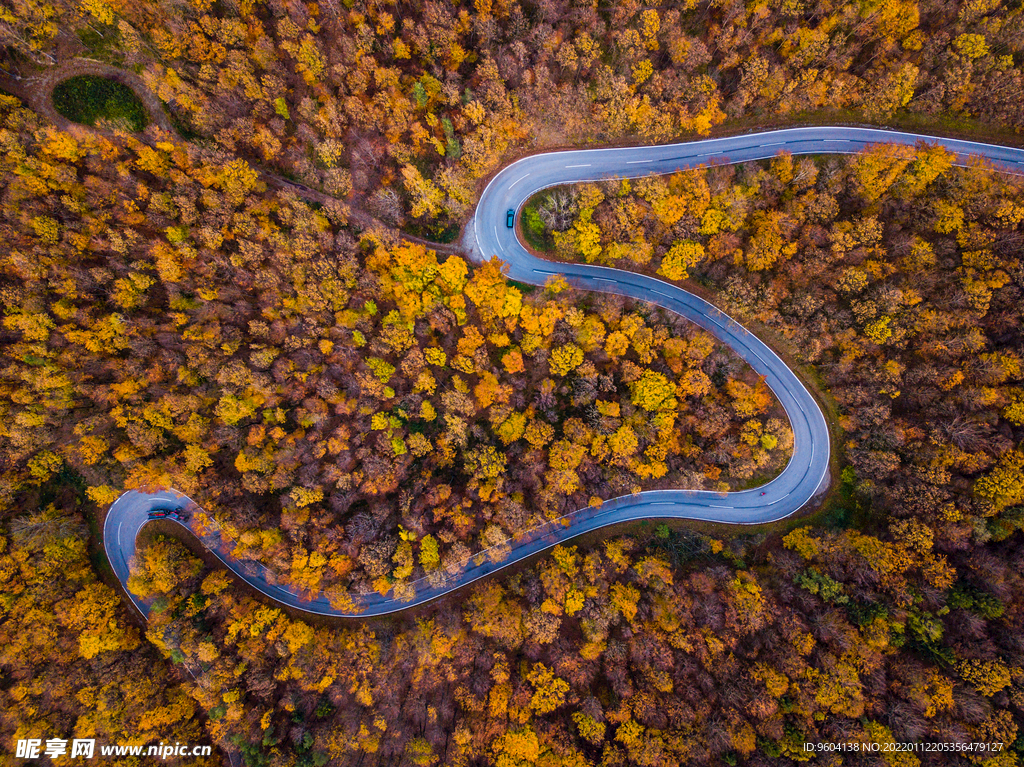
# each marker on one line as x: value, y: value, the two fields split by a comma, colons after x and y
x: 231, y: 266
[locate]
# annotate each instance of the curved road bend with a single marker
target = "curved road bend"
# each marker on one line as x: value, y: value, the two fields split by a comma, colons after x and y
x: 487, y: 235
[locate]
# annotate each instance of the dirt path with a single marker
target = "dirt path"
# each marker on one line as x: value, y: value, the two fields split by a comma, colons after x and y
x: 36, y: 91
x: 357, y: 216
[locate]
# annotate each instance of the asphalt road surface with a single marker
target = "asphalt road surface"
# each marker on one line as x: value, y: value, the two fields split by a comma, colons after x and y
x: 487, y: 235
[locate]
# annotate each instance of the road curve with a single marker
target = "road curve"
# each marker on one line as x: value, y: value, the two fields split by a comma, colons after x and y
x: 805, y: 475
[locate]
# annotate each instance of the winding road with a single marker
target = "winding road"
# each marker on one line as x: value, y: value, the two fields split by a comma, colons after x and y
x: 804, y: 477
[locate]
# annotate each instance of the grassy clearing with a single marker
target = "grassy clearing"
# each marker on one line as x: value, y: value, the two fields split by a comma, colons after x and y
x: 99, y: 102
x: 537, y: 234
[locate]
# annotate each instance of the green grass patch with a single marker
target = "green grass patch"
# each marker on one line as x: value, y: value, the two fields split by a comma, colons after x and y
x: 536, y: 233
x: 99, y: 102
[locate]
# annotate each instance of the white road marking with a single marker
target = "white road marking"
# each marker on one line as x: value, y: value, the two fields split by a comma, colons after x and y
x: 777, y: 143
x: 715, y: 506
x: 793, y: 388
x: 587, y: 165
x: 637, y: 162
x: 517, y: 181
